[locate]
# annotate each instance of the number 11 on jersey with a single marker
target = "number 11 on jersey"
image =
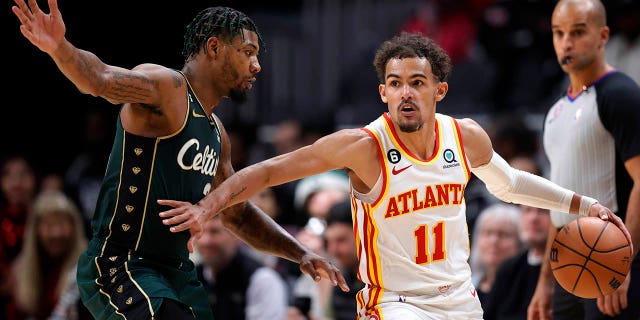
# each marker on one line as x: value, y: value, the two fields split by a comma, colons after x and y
x: 423, y: 256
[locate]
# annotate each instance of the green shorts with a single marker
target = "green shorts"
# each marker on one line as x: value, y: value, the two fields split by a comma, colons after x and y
x: 121, y: 286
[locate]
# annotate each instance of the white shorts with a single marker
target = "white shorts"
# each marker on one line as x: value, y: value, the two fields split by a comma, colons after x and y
x: 453, y: 303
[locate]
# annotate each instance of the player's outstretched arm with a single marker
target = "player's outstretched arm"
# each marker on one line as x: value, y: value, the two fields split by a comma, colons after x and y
x: 87, y: 72
x: 517, y: 186
x: 334, y: 151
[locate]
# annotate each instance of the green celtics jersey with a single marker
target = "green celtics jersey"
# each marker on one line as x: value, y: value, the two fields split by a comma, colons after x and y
x: 141, y: 170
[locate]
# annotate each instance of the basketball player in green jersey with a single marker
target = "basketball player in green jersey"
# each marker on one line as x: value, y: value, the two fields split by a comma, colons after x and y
x: 168, y: 145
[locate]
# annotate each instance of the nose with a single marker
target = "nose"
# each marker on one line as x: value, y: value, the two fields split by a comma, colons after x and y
x: 565, y: 42
x: 255, y: 65
x: 407, y: 93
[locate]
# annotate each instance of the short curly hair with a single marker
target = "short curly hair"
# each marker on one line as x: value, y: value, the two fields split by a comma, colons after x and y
x: 215, y: 21
x: 412, y: 45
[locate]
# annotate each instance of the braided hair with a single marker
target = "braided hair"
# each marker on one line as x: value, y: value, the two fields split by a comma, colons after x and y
x: 215, y: 21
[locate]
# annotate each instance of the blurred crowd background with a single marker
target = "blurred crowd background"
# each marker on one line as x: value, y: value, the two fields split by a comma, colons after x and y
x: 317, y: 77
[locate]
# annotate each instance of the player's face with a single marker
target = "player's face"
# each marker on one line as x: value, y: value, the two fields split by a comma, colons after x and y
x: 578, y: 39
x: 241, y: 64
x: 411, y: 92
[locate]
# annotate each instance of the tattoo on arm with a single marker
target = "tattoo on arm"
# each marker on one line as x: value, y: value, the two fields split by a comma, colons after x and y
x: 236, y: 194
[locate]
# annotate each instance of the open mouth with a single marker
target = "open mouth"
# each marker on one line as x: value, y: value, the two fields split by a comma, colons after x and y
x: 408, y: 108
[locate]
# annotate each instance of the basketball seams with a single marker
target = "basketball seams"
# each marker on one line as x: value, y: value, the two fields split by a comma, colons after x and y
x: 583, y: 261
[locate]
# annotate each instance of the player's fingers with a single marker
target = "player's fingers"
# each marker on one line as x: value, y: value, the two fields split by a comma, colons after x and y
x: 21, y: 17
x: 342, y: 283
x: 616, y: 303
x: 53, y: 7
x: 20, y: 9
x: 170, y: 213
x: 308, y: 268
x: 624, y: 303
x: 609, y: 305
x: 190, y: 245
x: 600, y: 302
x: 327, y: 269
x: 24, y: 9
x: 181, y: 227
x: 33, y: 5
x: 170, y: 203
x: 178, y: 219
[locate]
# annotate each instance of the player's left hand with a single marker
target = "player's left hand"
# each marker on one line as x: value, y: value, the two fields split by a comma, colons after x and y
x: 183, y: 216
x: 613, y: 303
x: 318, y: 267
x: 602, y: 212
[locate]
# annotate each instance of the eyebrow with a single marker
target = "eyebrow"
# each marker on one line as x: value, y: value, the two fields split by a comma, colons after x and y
x: 575, y: 25
x: 415, y: 75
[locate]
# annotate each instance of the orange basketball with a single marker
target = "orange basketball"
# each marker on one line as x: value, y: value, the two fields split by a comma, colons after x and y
x: 590, y: 257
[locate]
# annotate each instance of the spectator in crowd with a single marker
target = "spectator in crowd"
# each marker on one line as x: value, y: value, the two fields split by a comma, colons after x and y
x: 341, y: 245
x: 238, y: 286
x: 315, y: 195
x: 495, y: 240
x: 516, y: 278
x: 44, y: 270
x: 19, y: 185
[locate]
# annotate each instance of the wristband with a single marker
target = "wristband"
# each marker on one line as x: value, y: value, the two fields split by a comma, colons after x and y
x: 585, y: 205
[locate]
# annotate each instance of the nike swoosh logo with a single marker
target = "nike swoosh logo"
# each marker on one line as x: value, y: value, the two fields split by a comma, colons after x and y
x: 394, y: 171
x: 197, y: 115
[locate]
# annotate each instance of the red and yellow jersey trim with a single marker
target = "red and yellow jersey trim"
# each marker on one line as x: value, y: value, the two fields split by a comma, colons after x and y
x: 459, y: 142
x: 383, y: 167
x: 396, y: 141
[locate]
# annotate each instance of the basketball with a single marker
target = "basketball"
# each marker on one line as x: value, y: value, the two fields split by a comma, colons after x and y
x: 590, y: 257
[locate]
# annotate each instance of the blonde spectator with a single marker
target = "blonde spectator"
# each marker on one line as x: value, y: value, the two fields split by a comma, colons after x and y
x: 54, y: 239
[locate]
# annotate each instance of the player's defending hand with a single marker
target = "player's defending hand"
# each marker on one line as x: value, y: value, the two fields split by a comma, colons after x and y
x: 183, y: 216
x: 318, y: 267
x: 45, y: 31
x: 602, y: 212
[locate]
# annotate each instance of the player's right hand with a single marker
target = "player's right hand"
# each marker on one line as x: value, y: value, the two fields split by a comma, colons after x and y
x: 183, y: 216
x: 602, y: 212
x: 45, y: 31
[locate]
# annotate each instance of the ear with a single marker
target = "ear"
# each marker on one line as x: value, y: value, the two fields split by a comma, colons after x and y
x: 383, y: 93
x: 605, y: 32
x: 441, y: 91
x: 212, y: 45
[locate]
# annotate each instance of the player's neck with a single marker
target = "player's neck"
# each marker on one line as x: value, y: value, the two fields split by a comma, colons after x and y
x: 422, y: 142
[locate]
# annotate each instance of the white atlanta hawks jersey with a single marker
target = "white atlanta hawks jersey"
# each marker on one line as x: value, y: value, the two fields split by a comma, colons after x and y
x: 411, y: 227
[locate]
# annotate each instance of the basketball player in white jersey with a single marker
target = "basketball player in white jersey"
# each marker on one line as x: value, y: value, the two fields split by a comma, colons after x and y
x: 408, y: 170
